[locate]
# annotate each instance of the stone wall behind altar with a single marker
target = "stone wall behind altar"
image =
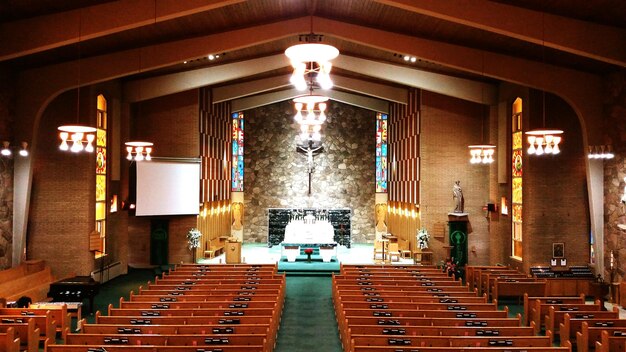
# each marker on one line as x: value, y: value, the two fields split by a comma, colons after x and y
x: 275, y: 175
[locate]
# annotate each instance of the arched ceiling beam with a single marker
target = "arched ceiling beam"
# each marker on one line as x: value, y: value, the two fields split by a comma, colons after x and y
x: 585, y: 98
x: 282, y: 95
x: 466, y: 89
x: 47, y: 32
x: 153, y: 87
x: 591, y: 40
x: 38, y: 86
x: 149, y: 88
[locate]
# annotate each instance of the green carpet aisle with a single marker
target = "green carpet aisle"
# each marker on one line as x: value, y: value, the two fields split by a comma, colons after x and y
x: 308, y: 322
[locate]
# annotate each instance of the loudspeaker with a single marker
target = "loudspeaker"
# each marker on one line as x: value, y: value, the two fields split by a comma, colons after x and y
x: 491, y: 207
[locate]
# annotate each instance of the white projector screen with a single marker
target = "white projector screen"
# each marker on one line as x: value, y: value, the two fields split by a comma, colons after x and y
x: 167, y: 188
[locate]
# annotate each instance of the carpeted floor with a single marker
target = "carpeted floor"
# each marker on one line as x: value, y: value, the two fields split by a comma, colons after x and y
x: 308, y: 322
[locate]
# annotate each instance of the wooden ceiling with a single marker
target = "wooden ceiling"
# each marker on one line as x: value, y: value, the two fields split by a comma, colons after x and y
x: 401, y: 17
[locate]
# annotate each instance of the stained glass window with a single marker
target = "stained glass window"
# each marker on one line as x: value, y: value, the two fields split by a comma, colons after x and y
x: 237, y: 153
x: 101, y: 174
x: 516, y: 178
x: 381, y: 153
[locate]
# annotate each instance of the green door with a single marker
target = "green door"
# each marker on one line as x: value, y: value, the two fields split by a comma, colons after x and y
x: 158, y: 241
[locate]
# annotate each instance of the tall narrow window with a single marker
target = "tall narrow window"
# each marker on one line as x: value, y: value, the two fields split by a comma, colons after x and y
x: 237, y: 150
x: 101, y: 176
x: 516, y: 179
x: 381, y: 153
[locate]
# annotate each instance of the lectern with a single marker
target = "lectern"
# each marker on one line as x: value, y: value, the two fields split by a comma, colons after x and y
x: 233, y: 252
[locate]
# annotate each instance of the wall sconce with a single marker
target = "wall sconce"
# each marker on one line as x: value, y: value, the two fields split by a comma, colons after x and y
x: 7, y: 149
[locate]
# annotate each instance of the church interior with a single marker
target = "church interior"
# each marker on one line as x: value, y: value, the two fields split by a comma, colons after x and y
x: 447, y: 139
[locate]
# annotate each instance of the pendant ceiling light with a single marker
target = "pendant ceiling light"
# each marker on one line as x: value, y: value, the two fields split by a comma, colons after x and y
x: 544, y: 140
x: 311, y: 58
x: 80, y: 136
x: 482, y: 153
x: 310, y: 114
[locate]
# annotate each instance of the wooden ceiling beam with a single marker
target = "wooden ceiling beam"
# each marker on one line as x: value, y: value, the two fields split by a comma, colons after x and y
x: 591, y: 40
x: 47, y: 32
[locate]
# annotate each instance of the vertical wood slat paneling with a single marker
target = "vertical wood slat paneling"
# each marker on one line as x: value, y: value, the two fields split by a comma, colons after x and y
x: 404, y: 149
x: 215, y: 136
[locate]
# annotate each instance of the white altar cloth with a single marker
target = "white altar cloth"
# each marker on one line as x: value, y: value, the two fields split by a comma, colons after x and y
x: 318, y: 232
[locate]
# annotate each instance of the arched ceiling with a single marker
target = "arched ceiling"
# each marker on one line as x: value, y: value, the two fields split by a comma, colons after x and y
x: 572, y: 35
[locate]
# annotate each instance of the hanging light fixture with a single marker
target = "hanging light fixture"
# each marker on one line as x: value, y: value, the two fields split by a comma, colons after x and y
x: 80, y: 136
x: 310, y: 114
x: 544, y: 140
x: 600, y: 152
x: 482, y: 153
x: 310, y: 58
x: 139, y: 151
x: 7, y: 149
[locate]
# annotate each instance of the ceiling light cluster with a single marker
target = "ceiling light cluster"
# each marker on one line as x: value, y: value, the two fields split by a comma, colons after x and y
x: 600, y: 152
x: 544, y: 141
x: 80, y: 136
x: 313, y: 117
x: 406, y: 58
x: 139, y: 151
x: 482, y: 153
x: 311, y: 59
x: 7, y: 149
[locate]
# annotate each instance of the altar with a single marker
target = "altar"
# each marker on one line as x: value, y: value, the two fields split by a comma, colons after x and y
x: 325, y: 225
x: 309, y: 232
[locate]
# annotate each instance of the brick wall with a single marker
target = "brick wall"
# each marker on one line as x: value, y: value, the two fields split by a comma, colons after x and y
x: 171, y: 123
x: 448, y: 126
x: 62, y: 200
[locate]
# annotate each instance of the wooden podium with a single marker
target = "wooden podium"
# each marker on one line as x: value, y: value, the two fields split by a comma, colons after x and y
x: 233, y: 252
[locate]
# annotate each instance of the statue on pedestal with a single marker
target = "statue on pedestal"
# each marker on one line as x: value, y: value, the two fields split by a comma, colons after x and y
x: 457, y: 195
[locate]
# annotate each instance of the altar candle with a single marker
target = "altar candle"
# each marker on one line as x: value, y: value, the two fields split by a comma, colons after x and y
x: 612, y: 261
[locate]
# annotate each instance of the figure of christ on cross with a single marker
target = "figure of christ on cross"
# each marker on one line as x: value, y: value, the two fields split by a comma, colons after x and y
x: 311, y: 151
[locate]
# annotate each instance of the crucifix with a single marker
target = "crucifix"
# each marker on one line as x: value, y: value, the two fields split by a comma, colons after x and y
x: 311, y: 151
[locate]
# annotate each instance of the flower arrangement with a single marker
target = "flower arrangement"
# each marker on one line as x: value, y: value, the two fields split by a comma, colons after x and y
x: 193, y: 238
x: 422, y: 238
x: 308, y: 251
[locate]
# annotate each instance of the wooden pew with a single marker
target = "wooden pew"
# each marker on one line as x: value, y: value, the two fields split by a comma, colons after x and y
x: 381, y: 288
x: 8, y: 341
x: 45, y: 324
x: 183, y: 320
x: 556, y: 300
x: 174, y: 329
x: 191, y: 312
x: 192, y: 305
x: 611, y: 343
x: 416, y: 299
x: 124, y: 348
x: 572, y: 323
x: 433, y: 321
x: 200, y: 298
x: 247, y: 285
x: 555, y: 317
x: 517, y: 288
x: 450, y: 341
x: 170, y: 340
x: 395, y: 331
x: 26, y: 332
x: 461, y: 349
x: 213, y: 292
x: 482, y: 283
x: 31, y: 279
x: 253, y: 280
x: 472, y: 273
x: 408, y: 306
x: 587, y: 337
x: 427, y: 313
x: 491, y: 278
x: 60, y: 315
x: 540, y: 310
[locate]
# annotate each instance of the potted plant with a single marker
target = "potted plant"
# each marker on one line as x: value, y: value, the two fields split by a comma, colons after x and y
x: 193, y: 241
x: 422, y: 239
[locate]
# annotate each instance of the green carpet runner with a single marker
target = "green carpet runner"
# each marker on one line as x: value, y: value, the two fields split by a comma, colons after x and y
x: 308, y: 322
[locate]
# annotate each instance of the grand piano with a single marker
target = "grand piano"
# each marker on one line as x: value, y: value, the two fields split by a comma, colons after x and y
x: 74, y: 289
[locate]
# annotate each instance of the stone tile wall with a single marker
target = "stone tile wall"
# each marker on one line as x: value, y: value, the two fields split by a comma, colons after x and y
x: 276, y: 175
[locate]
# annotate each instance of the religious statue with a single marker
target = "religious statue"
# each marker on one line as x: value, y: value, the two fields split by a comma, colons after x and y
x: 381, y: 215
x: 457, y: 195
x: 237, y: 214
